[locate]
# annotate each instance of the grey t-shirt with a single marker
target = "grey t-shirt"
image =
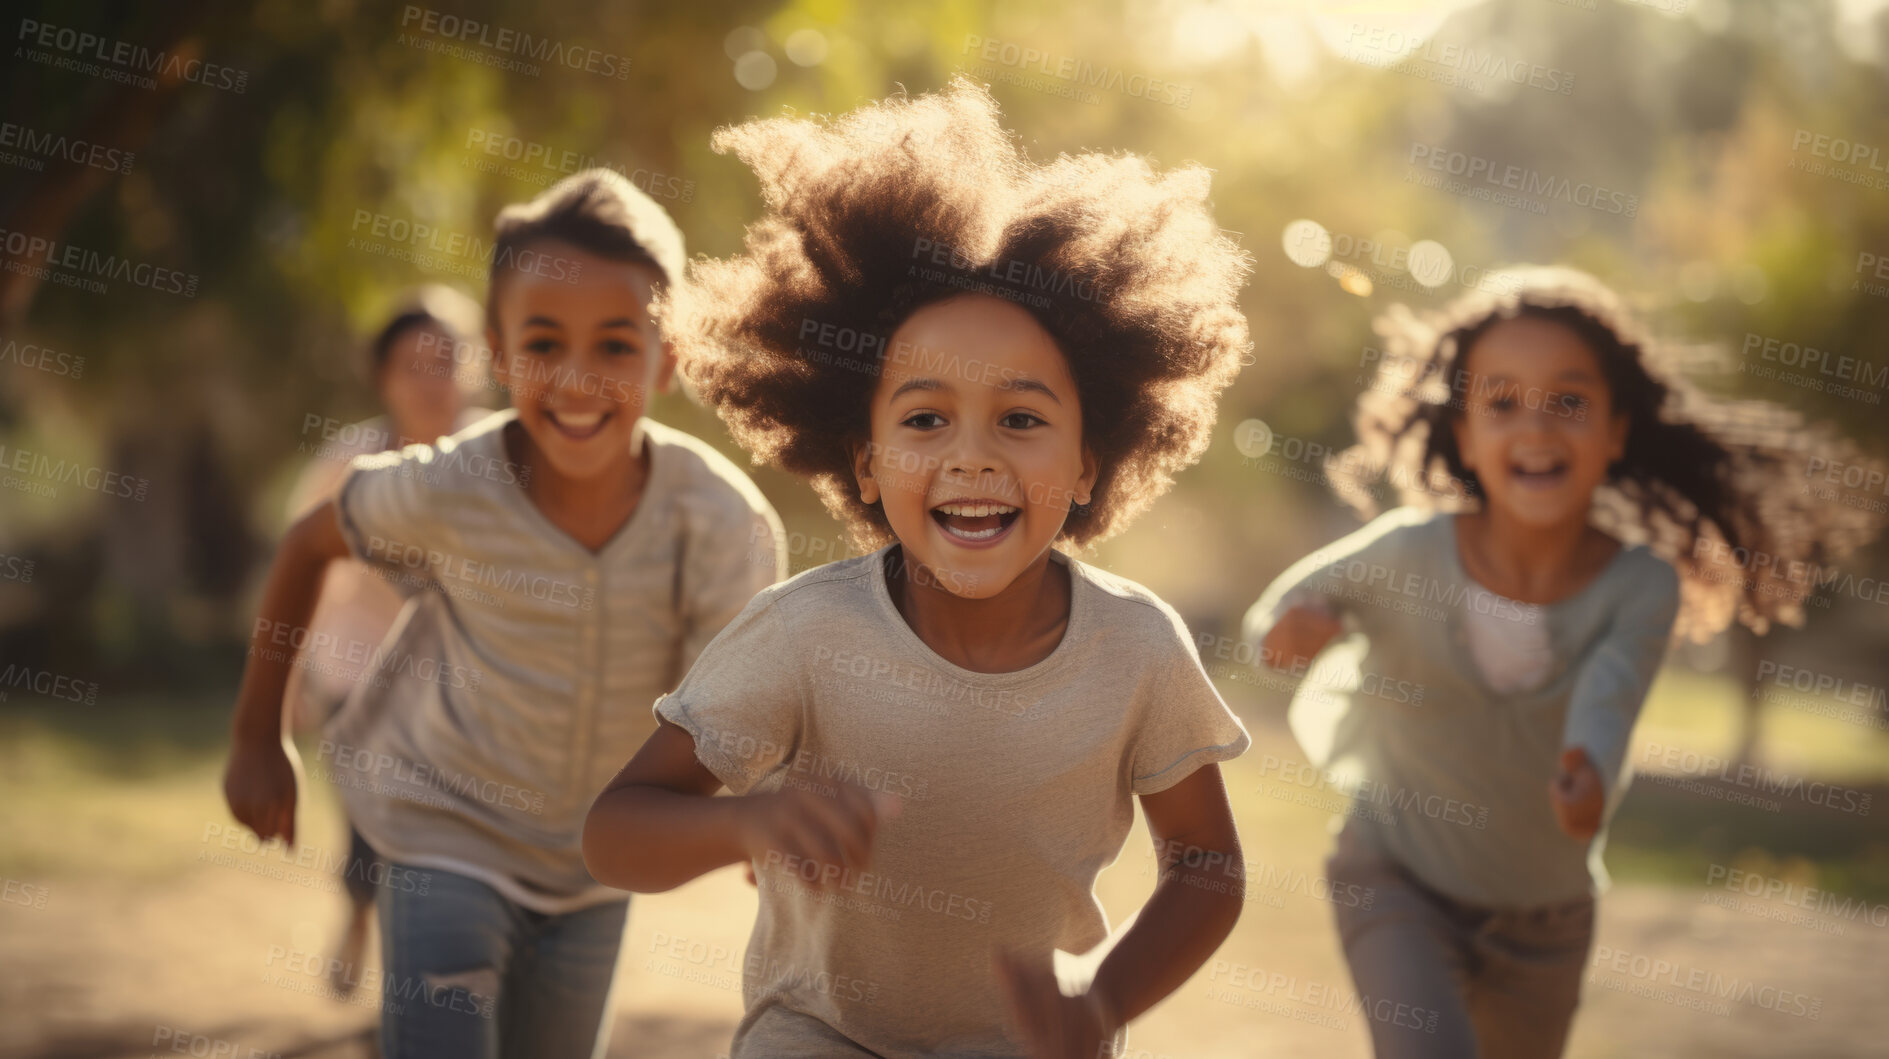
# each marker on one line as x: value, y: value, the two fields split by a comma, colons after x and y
x: 1445, y: 773
x: 519, y: 675
x: 1016, y: 787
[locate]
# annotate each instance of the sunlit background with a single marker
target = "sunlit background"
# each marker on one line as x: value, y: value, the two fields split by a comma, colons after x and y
x: 1735, y: 161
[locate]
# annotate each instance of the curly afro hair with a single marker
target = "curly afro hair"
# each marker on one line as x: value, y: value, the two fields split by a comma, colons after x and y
x: 907, y: 202
x: 1701, y: 479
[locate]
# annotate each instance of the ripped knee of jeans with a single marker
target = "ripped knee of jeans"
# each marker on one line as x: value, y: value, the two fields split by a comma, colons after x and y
x: 472, y: 992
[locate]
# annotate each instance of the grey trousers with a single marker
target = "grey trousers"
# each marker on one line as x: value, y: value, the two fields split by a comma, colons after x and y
x: 1440, y: 978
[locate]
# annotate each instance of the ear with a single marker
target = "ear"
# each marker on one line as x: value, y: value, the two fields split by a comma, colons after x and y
x: 1085, y: 483
x: 862, y: 472
x: 1617, y: 427
x: 666, y: 368
x: 1459, y: 428
x: 501, y: 364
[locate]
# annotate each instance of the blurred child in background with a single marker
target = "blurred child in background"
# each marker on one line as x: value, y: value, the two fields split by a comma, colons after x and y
x: 569, y: 559
x: 415, y: 362
x: 1533, y: 615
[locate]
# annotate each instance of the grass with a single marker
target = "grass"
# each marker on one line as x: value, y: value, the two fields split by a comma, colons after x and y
x: 1700, y: 712
x: 129, y: 789
x: 126, y: 789
x: 1674, y: 836
x: 1669, y: 836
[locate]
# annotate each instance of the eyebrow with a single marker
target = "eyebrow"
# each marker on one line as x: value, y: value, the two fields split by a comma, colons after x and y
x: 910, y: 385
x: 1029, y: 385
x: 1574, y: 374
x: 546, y: 321
x: 1023, y: 383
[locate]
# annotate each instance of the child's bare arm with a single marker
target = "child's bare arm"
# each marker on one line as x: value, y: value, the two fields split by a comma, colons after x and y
x: 1298, y: 636
x: 1194, y: 905
x: 657, y: 826
x: 1192, y: 910
x: 260, y: 781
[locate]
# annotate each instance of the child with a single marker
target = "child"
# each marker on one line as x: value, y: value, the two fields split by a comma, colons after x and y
x: 414, y: 371
x: 568, y: 559
x: 1533, y: 621
x: 936, y: 746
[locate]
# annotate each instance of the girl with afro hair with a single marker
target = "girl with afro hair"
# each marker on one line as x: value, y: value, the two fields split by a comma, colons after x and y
x: 981, y: 364
x: 1568, y: 501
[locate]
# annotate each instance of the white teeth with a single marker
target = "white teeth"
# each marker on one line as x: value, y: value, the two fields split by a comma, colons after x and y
x: 975, y: 510
x: 578, y: 420
x: 1540, y: 465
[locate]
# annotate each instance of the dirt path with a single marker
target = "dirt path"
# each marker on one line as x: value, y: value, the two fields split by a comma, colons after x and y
x: 217, y: 959
x: 224, y: 964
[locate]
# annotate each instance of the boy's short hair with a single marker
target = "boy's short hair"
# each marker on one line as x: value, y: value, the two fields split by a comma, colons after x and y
x: 598, y: 211
x: 431, y: 305
x: 905, y: 203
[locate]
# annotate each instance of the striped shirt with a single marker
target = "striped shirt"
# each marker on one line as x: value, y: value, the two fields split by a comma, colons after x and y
x: 521, y: 672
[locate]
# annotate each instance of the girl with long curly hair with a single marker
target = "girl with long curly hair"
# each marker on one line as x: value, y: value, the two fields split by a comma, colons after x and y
x: 1568, y: 500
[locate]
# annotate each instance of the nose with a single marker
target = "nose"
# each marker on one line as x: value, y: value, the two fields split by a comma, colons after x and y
x: 563, y: 376
x: 1542, y: 417
x: 971, y: 453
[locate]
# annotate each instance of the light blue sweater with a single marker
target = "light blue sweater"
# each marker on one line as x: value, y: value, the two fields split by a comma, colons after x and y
x: 1446, y: 776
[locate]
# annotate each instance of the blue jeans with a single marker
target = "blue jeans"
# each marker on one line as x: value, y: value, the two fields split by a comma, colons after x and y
x: 468, y: 974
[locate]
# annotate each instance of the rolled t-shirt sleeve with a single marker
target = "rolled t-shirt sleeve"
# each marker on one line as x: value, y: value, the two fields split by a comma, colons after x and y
x: 1185, y: 724
x: 1614, y: 679
x: 724, y: 569
x: 317, y: 482
x: 388, y: 514
x: 742, y: 701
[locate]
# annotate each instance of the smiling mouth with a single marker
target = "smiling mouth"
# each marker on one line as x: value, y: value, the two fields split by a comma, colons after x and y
x: 1539, y: 472
x: 577, y: 426
x: 975, y: 521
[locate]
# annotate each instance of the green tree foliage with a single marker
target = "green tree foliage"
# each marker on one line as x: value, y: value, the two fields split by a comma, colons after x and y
x: 358, y: 121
